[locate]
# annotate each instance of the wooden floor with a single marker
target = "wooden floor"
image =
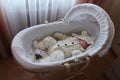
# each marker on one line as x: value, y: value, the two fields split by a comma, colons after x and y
x: 10, y: 70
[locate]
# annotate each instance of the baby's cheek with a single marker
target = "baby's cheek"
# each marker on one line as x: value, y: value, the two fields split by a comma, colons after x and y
x: 83, y: 44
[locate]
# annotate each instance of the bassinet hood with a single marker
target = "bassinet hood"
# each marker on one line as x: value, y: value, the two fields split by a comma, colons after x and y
x: 94, y: 14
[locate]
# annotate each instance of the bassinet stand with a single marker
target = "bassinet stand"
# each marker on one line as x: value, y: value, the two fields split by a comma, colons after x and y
x: 69, y: 70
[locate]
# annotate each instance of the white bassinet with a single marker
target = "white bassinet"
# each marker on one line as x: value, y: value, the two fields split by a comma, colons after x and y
x: 87, y: 17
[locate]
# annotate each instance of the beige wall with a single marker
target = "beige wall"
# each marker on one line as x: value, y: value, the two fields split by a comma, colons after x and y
x: 113, y: 9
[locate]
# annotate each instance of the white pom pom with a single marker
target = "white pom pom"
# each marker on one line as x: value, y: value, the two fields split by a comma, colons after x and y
x: 59, y: 35
x: 47, y: 40
x: 35, y: 44
x: 41, y: 46
x: 84, y: 33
